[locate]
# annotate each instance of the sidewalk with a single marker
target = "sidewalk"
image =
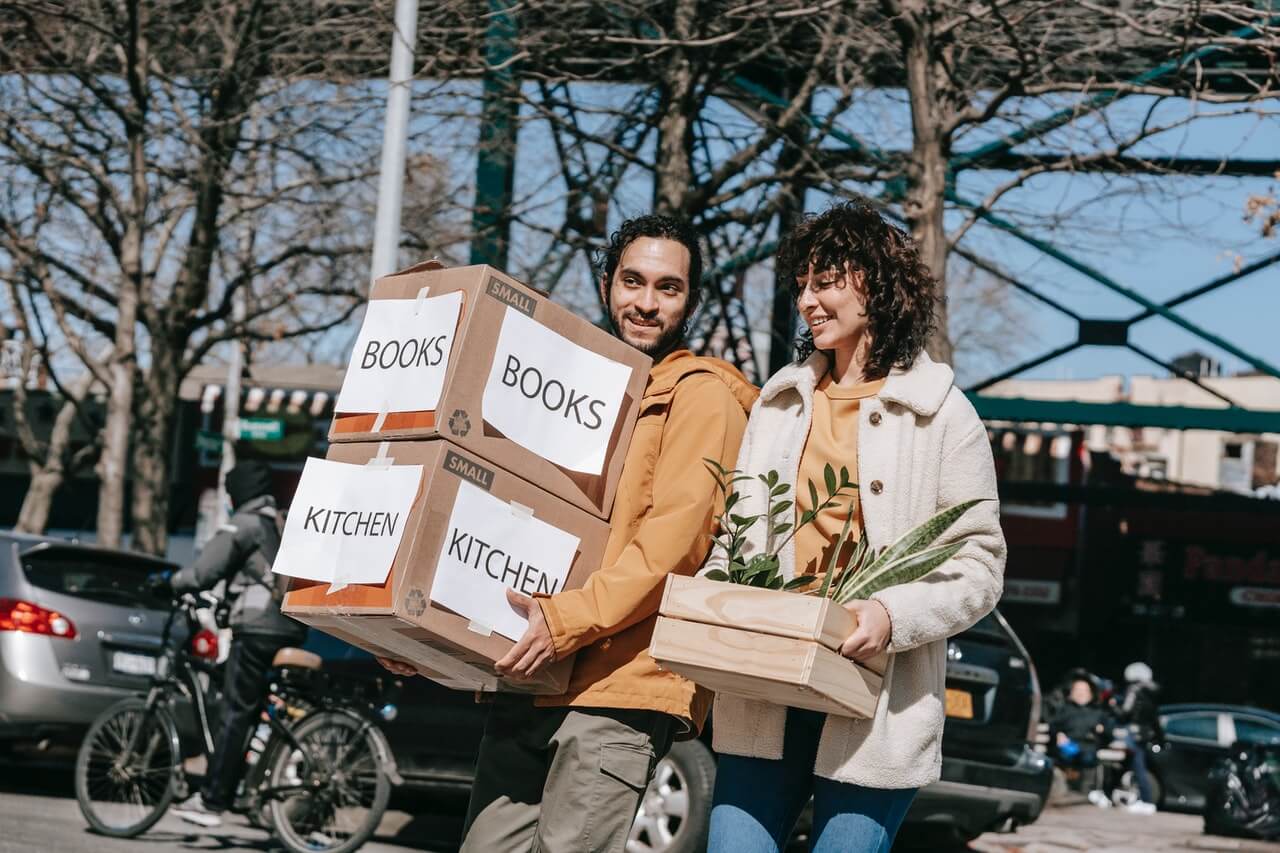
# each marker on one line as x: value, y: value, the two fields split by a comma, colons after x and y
x: 1087, y: 828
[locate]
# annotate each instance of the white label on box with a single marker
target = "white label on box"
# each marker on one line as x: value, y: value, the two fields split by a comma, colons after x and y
x: 550, y: 395
x: 401, y: 355
x: 488, y: 548
x: 346, y: 522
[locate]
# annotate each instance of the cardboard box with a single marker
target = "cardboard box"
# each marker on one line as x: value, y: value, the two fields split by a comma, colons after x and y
x: 529, y: 371
x: 774, y: 646
x: 399, y: 617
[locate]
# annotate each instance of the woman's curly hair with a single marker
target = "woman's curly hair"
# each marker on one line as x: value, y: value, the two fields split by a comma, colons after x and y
x: 901, y: 292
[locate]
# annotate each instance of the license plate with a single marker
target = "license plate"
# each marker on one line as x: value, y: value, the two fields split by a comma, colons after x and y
x: 959, y: 704
x: 131, y: 664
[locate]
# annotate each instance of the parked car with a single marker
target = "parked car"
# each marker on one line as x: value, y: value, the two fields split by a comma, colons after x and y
x: 991, y: 777
x: 1196, y: 737
x: 77, y: 633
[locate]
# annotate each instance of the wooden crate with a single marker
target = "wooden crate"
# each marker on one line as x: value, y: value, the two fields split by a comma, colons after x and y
x: 779, y: 647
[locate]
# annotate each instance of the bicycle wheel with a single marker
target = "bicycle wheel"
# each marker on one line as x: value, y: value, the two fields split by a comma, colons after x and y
x: 335, y: 788
x: 121, y: 791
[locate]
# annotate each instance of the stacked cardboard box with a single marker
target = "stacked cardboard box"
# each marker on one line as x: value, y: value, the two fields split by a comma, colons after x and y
x: 779, y: 647
x: 518, y: 415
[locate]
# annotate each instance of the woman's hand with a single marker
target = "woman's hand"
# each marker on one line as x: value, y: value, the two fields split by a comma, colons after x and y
x: 871, y: 637
x: 398, y: 667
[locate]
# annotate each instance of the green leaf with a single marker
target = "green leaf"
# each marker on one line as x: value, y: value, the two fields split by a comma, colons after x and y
x: 835, y: 552
x: 773, y: 479
x: 845, y: 482
x: 716, y: 575
x: 813, y: 496
x: 926, y: 534
x: 730, y: 500
x: 829, y: 474
x: 779, y: 490
x: 780, y: 506
x: 903, y: 571
x: 779, y: 529
x: 796, y: 583
x: 744, y: 520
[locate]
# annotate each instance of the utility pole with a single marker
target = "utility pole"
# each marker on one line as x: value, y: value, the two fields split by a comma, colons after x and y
x: 386, y: 229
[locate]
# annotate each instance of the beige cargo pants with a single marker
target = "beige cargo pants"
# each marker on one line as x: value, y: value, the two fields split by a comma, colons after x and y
x: 561, y: 780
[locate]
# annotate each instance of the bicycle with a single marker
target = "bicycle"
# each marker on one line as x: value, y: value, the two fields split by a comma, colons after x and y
x: 322, y: 776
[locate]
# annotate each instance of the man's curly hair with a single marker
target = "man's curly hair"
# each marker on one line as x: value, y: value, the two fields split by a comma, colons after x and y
x: 660, y: 227
x: 901, y: 292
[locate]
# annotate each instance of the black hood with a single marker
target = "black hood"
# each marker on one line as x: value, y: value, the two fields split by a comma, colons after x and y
x: 247, y: 481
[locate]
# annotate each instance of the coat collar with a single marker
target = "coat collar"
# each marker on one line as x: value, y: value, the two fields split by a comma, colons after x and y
x: 922, y: 388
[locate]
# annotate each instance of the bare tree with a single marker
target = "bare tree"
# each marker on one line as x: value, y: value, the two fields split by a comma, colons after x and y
x: 164, y: 170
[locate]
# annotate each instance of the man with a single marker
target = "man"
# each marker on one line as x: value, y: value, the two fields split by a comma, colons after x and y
x: 1078, y: 728
x: 241, y: 553
x: 565, y: 773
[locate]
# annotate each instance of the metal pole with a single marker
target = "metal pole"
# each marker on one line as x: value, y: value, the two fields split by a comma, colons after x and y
x: 386, y: 229
x: 231, y: 409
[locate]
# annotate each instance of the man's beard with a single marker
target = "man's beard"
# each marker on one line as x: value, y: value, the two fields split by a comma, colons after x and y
x: 669, y: 340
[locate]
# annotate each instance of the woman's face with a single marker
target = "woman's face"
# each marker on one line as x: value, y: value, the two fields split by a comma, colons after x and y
x: 834, y: 305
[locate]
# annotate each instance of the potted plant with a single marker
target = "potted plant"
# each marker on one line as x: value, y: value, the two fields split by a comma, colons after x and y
x: 742, y: 628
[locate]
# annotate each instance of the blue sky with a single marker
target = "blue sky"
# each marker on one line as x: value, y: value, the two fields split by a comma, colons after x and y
x: 1159, y: 236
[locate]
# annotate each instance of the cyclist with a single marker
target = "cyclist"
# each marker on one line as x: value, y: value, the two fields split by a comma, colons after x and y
x: 241, y: 553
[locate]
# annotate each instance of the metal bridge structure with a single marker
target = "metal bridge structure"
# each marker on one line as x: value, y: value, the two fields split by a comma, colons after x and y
x: 495, y: 179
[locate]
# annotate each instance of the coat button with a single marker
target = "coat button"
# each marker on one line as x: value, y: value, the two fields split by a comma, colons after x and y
x: 876, y: 487
x: 875, y: 419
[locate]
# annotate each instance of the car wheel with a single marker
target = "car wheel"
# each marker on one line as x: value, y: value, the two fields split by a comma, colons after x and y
x: 675, y: 810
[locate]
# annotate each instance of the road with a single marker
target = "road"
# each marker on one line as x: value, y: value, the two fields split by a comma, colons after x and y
x: 38, y: 813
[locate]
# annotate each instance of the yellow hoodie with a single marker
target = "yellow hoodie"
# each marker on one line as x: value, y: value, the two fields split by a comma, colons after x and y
x: 663, y: 517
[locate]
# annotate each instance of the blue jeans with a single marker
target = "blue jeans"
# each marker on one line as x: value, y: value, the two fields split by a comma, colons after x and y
x: 758, y: 800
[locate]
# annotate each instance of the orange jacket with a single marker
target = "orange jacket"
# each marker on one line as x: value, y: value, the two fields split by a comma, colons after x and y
x: 693, y: 408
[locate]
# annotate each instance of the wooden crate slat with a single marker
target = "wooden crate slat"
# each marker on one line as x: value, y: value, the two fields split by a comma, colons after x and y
x: 766, y: 611
x: 781, y: 670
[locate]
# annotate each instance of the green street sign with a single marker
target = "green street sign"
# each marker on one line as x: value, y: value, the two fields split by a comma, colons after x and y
x: 262, y: 429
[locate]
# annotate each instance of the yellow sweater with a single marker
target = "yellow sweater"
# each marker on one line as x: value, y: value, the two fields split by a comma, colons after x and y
x: 833, y: 440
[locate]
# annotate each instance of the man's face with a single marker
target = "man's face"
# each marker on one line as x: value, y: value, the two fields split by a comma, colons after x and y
x: 649, y: 293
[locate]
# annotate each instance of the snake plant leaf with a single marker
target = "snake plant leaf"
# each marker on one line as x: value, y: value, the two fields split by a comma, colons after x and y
x: 863, y: 556
x: 717, y: 575
x: 903, y: 571
x: 798, y: 582
x: 835, y: 553
x: 924, y: 535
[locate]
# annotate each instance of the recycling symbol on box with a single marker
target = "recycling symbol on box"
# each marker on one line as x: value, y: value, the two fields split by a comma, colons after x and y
x: 459, y: 423
x: 415, y: 603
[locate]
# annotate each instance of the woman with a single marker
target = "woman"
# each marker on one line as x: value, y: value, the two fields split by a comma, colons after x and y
x: 867, y: 397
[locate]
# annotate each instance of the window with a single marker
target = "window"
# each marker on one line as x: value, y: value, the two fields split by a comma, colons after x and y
x: 1256, y: 730
x: 1201, y: 727
x: 106, y: 578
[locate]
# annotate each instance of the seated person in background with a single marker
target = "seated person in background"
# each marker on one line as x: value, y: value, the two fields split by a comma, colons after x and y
x: 1078, y: 727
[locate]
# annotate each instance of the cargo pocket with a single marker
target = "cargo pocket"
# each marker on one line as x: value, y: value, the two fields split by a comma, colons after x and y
x: 624, y: 774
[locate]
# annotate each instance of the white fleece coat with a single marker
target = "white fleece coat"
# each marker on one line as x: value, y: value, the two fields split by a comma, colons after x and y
x: 921, y: 448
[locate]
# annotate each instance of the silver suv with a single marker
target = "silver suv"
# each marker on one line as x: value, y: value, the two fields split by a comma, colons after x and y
x: 78, y: 631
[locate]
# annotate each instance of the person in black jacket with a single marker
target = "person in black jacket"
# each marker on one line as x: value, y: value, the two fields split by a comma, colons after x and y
x: 241, y: 553
x: 1139, y: 709
x: 1078, y: 727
